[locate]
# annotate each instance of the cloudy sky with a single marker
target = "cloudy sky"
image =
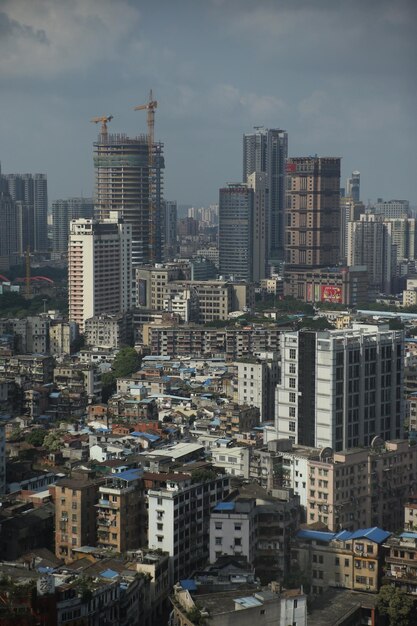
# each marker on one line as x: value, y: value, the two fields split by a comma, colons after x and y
x: 338, y: 75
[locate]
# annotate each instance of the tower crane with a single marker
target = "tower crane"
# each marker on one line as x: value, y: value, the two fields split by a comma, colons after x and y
x: 150, y: 107
x: 104, y: 119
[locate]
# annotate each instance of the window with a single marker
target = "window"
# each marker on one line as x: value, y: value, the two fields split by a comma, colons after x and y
x: 292, y: 383
x: 337, y: 561
x: 293, y: 353
x: 292, y: 368
x: 218, y: 541
x: 292, y: 427
x: 292, y: 411
x: 292, y: 396
x: 238, y: 541
x: 238, y: 526
x: 160, y: 538
x: 346, y: 562
x: 160, y: 527
x: 218, y: 525
x: 159, y: 501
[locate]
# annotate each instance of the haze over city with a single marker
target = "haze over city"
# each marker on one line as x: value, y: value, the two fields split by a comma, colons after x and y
x: 338, y: 76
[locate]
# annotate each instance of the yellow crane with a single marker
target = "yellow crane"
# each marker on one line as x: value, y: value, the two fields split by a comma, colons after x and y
x: 103, y: 120
x: 150, y: 107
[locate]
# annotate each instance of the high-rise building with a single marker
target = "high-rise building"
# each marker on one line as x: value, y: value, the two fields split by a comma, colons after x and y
x: 341, y: 388
x: 236, y: 210
x: 63, y: 211
x: 392, y: 208
x: 99, y: 268
x: 266, y: 150
x: 350, y: 211
x: 402, y: 231
x: 313, y: 216
x: 123, y: 184
x: 169, y: 229
x: 32, y: 191
x: 353, y: 186
x: 75, y: 516
x: 370, y: 244
x: 258, y: 181
x: 8, y: 232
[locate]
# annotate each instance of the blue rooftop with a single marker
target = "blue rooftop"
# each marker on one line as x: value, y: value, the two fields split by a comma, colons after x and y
x: 132, y: 474
x: 109, y: 573
x: 224, y: 506
x: 375, y: 534
x: 188, y: 584
x: 147, y: 436
x: 408, y: 535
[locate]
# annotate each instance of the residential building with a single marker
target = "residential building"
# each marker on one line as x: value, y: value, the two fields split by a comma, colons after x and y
x: 258, y: 181
x: 392, y: 208
x: 257, y: 378
x: 179, y: 515
x: 401, y: 562
x: 109, y: 331
x: 32, y: 191
x: 233, y: 460
x: 169, y: 229
x: 63, y: 211
x: 2, y: 458
x: 233, y: 529
x: 353, y: 186
x: 121, y: 515
x: 236, y: 212
x: 312, y: 212
x: 75, y: 516
x: 33, y: 368
x: 350, y: 211
x: 333, y: 285
x: 402, y: 232
x: 8, y: 233
x: 266, y: 151
x: 61, y: 336
x: 351, y: 560
x: 125, y: 184
x: 341, y: 388
x: 370, y: 243
x: 410, y: 513
x: 99, y: 269
x: 235, y: 418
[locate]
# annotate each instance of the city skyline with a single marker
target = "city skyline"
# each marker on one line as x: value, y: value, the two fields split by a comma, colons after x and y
x: 338, y: 78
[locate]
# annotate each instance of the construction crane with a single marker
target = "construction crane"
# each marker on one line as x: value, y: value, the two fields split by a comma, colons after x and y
x: 150, y: 107
x: 104, y: 119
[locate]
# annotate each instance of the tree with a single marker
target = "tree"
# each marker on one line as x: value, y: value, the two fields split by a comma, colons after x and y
x: 396, y: 605
x: 52, y: 441
x: 108, y: 382
x: 126, y: 362
x: 36, y: 437
x: 202, y: 475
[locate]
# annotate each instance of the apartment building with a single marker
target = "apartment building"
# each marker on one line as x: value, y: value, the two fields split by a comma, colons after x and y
x: 120, y: 512
x: 232, y: 343
x: 341, y: 388
x: 109, y: 331
x: 179, y: 514
x: 233, y: 529
x: 75, y: 519
x: 410, y: 513
x: 401, y: 562
x: 233, y: 460
x: 351, y: 560
x: 257, y: 378
x: 362, y: 487
x: 99, y: 268
x: 36, y: 368
x: 235, y: 419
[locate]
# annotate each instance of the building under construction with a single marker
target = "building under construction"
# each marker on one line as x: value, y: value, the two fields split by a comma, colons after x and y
x: 128, y: 181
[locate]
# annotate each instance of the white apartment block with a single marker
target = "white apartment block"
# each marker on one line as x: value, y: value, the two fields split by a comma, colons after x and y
x: 256, y: 379
x: 179, y: 515
x: 340, y: 388
x: 232, y: 530
x: 234, y: 461
x: 99, y: 268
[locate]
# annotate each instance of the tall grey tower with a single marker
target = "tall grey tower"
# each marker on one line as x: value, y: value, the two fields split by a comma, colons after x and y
x: 32, y: 191
x: 266, y: 151
x: 353, y: 186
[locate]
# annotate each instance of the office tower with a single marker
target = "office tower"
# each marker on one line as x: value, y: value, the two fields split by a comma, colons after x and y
x: 99, y: 268
x: 340, y: 388
x: 353, y: 186
x: 312, y: 212
x: 392, y: 208
x: 236, y: 204
x: 266, y: 151
x: 122, y: 184
x: 350, y: 211
x: 258, y: 182
x: 402, y: 231
x: 169, y: 229
x: 63, y: 211
x: 32, y: 191
x: 370, y: 244
x: 8, y: 232
x: 75, y: 517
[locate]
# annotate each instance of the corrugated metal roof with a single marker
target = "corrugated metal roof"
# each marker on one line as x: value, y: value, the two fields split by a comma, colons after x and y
x: 225, y: 506
x: 248, y: 602
x: 317, y: 535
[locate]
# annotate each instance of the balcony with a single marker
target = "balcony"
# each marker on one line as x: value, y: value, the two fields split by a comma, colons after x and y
x: 107, y: 504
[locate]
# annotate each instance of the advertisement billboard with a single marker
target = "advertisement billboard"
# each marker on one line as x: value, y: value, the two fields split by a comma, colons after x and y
x: 331, y: 293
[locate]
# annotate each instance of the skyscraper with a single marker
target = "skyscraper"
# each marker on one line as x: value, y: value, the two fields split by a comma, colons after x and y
x: 313, y: 216
x: 99, y: 268
x: 122, y: 184
x: 236, y: 203
x: 169, y: 229
x: 258, y: 181
x: 32, y: 191
x: 353, y: 186
x: 341, y: 388
x: 63, y: 211
x: 370, y: 243
x: 8, y: 232
x: 266, y: 151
